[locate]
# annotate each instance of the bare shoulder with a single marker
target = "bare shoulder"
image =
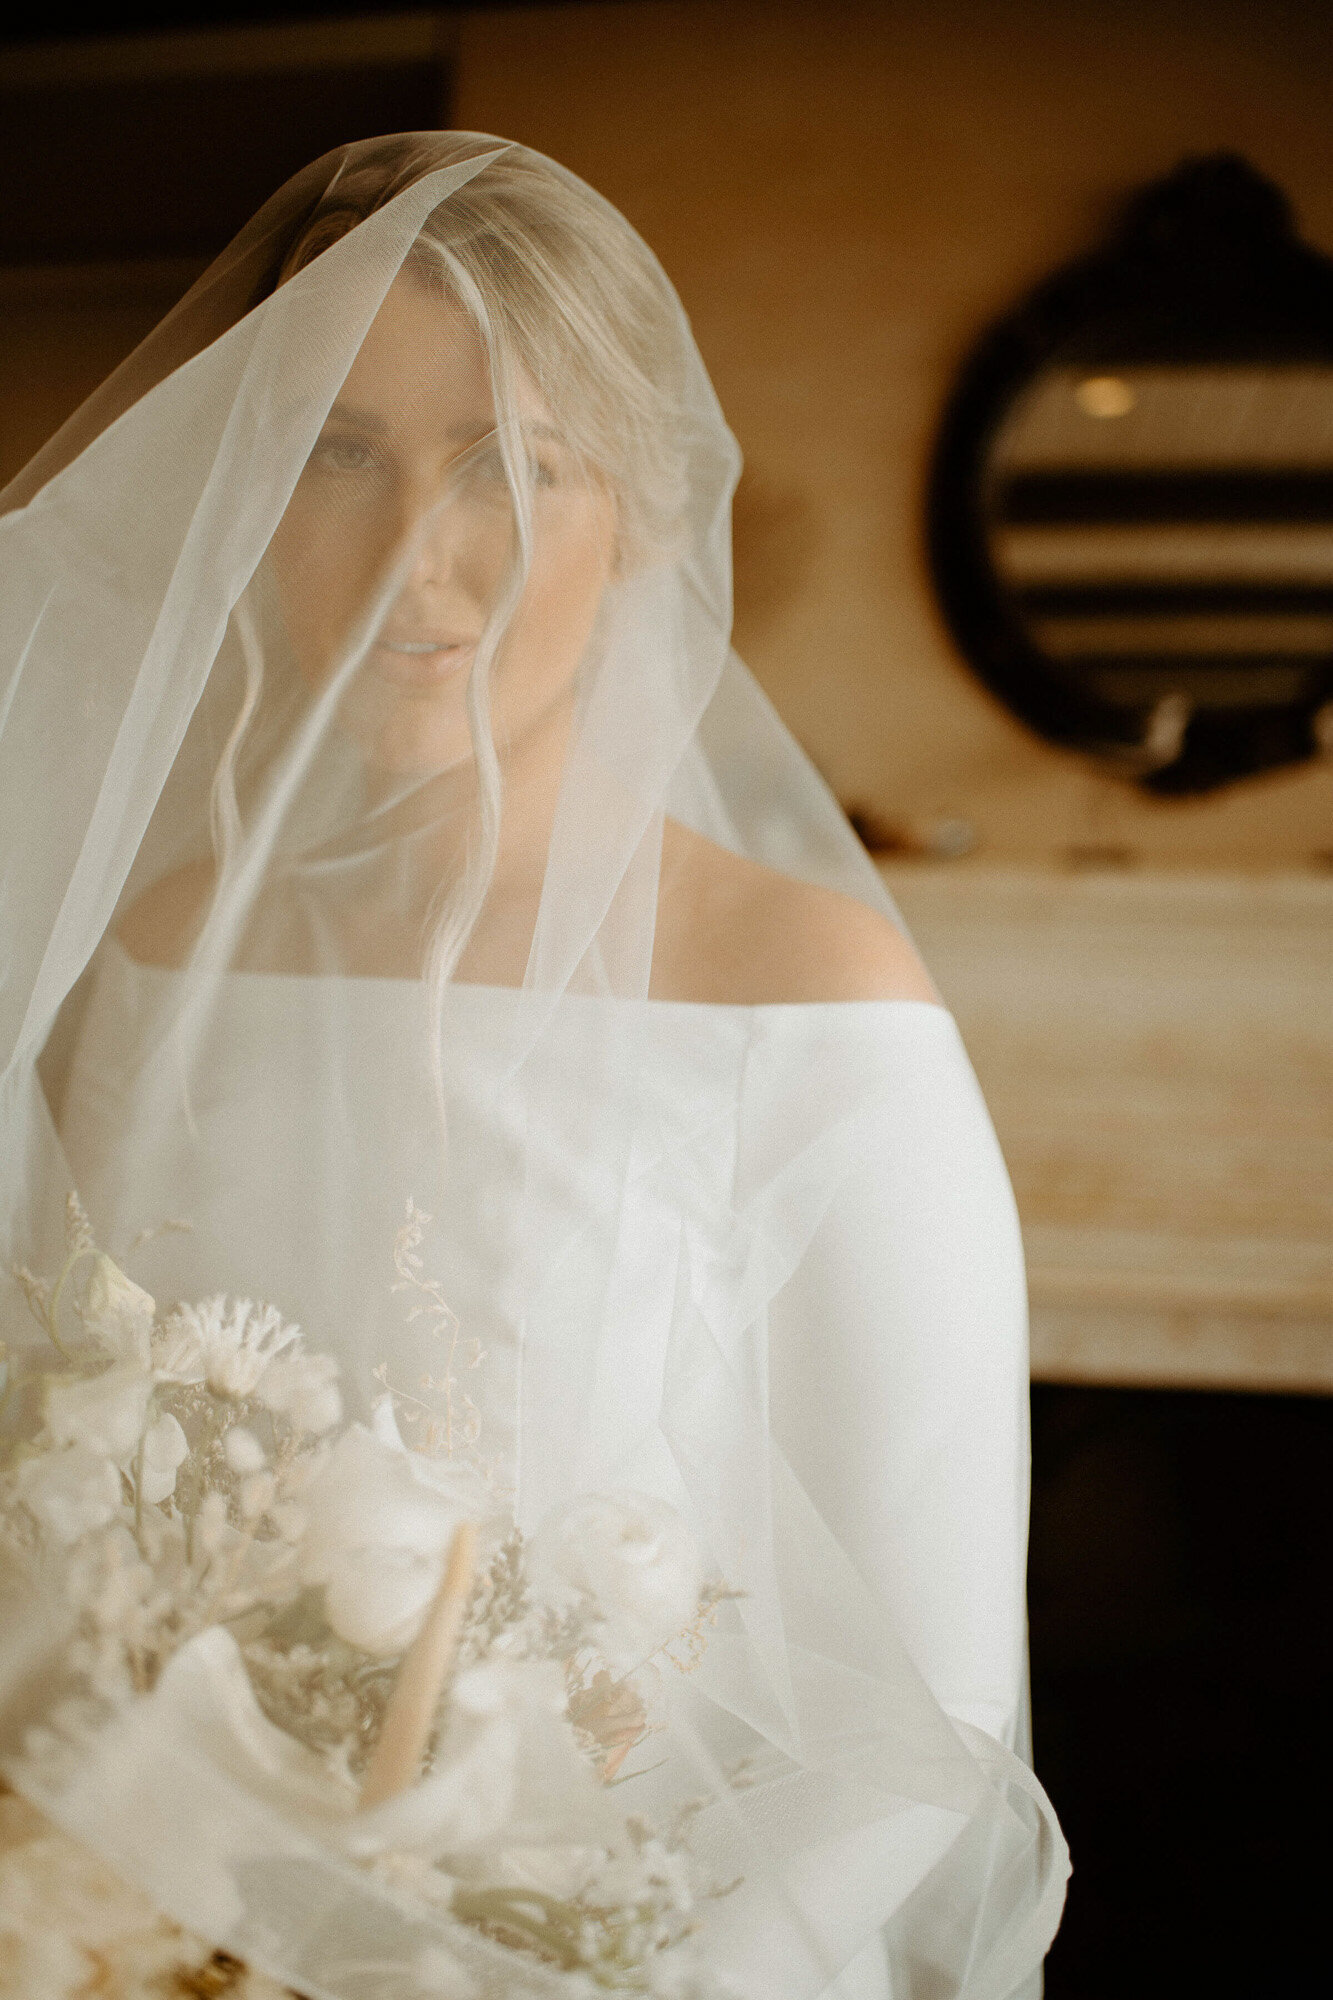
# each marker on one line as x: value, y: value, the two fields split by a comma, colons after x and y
x: 735, y: 933
x: 161, y: 925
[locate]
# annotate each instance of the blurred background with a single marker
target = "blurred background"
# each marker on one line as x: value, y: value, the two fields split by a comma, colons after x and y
x: 1022, y: 311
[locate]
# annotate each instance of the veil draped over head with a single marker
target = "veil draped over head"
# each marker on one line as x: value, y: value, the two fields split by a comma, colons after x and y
x: 371, y: 754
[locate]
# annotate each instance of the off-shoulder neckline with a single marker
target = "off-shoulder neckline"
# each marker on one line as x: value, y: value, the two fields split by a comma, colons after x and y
x: 508, y: 994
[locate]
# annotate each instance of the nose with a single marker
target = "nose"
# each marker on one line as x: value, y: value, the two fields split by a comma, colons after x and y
x: 456, y: 545
x: 436, y: 541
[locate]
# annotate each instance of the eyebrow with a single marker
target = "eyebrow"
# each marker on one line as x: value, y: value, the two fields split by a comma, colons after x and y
x: 347, y: 413
x: 465, y: 434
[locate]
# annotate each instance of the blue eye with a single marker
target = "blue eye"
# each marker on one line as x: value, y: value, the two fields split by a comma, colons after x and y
x: 343, y: 454
x: 489, y: 465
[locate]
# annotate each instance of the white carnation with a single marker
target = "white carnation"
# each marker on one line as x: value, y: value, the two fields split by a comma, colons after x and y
x: 227, y: 1343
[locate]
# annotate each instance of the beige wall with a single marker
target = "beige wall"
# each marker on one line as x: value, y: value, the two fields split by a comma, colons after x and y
x: 843, y: 193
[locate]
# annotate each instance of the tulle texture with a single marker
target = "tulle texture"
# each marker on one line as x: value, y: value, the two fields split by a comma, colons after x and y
x: 367, y: 722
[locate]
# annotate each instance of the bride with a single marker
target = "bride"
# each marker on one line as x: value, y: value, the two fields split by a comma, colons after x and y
x: 390, y: 830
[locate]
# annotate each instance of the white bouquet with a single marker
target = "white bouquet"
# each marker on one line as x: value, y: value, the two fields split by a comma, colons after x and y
x: 447, y: 1703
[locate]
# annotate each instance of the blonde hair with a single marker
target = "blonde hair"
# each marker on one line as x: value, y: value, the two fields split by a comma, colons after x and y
x: 563, y: 288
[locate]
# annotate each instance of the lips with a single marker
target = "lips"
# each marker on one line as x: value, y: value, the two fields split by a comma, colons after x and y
x: 422, y: 659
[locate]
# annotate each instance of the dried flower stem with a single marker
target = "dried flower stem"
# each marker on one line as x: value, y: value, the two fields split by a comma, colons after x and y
x: 410, y: 1715
x: 79, y: 1244
x: 545, y: 1924
x: 138, y: 1490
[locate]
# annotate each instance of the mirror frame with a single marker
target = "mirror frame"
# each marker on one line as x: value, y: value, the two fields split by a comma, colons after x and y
x: 1205, y: 267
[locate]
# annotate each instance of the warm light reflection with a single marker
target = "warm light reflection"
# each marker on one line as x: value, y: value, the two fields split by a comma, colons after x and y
x: 1105, y: 396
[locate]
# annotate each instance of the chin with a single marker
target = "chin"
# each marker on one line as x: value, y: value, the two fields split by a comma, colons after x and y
x: 407, y: 737
x: 406, y: 756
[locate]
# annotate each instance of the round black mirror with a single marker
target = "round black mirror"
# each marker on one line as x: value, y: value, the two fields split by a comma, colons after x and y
x: 1131, y: 501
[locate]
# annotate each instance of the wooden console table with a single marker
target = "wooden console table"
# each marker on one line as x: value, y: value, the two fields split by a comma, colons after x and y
x: 1157, y: 1052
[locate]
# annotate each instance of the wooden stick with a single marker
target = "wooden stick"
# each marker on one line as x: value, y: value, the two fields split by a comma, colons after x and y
x: 396, y: 1760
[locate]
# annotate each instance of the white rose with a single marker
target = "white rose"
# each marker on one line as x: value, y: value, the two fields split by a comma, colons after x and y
x: 379, y: 1521
x: 70, y: 1491
x: 104, y: 1413
x: 304, y: 1389
x: 633, y: 1561
x: 377, y: 1598
x: 120, y: 1311
x: 165, y: 1449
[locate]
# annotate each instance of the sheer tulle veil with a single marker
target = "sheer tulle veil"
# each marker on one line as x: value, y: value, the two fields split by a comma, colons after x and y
x: 364, y: 658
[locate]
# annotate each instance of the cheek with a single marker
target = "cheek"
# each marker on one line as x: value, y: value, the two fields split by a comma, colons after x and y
x: 322, y: 562
x: 304, y: 559
x: 572, y: 563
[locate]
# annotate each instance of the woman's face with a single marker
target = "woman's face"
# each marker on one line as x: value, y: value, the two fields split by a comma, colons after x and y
x: 406, y: 482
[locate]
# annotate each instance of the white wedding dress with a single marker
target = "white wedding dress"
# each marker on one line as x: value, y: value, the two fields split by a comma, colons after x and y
x: 374, y: 620
x: 896, y: 1353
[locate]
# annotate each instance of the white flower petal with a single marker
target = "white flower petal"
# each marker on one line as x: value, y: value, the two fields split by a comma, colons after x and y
x: 377, y: 1598
x: 226, y: 1342
x: 255, y: 1494
x: 212, y: 1530
x: 105, y: 1413
x: 120, y: 1311
x: 379, y: 1523
x: 165, y: 1449
x: 178, y: 1348
x: 70, y: 1491
x: 303, y: 1388
x: 243, y: 1451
